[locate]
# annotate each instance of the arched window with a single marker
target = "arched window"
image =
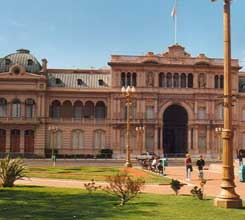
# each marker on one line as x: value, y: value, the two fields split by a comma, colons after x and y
x: 55, y: 109
x: 16, y: 109
x: 123, y: 79
x: 221, y: 82
x: 77, y: 139
x: 89, y: 109
x: 220, y: 112
x: 99, y: 139
x: 149, y: 136
x: 67, y: 109
x: 78, y: 110
x: 128, y: 79
x: 29, y: 108
x: 161, y: 80
x: 2, y: 140
x: 58, y: 139
x: 3, y: 107
x: 169, y: 80
x: 216, y: 82
x: 176, y: 80
x: 100, y: 110
x: 183, y: 80
x: 134, y: 78
x: 190, y: 80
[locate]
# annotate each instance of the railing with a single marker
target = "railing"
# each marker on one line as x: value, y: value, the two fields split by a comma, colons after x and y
x: 101, y: 121
x: 20, y: 120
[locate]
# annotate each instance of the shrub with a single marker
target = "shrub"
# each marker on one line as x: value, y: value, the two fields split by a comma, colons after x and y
x: 197, y: 192
x: 11, y: 170
x: 91, y: 187
x: 124, y: 187
x: 176, y: 186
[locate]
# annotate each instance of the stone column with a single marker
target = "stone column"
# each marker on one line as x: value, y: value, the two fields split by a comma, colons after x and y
x: 208, y: 140
x: 190, y: 147
x: 195, y: 141
x: 155, y: 146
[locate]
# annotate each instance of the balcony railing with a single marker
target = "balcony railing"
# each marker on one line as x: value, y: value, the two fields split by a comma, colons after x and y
x: 19, y: 120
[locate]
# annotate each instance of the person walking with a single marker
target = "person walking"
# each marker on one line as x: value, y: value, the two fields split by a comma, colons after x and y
x: 200, y: 164
x: 188, y: 166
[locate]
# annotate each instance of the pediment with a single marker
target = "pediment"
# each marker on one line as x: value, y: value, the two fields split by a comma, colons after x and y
x: 20, y: 75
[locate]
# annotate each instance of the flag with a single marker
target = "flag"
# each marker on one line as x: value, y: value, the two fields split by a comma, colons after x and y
x: 173, y: 13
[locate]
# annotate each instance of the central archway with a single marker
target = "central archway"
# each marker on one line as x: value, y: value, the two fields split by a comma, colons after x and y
x: 175, y: 123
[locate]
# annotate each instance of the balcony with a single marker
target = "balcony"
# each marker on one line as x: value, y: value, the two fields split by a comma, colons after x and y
x: 84, y: 121
x: 20, y: 120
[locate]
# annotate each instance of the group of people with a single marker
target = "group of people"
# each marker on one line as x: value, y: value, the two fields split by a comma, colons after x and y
x: 155, y: 165
x: 188, y: 165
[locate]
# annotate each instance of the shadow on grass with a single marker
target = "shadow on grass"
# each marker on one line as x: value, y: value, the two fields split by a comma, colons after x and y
x: 34, y: 202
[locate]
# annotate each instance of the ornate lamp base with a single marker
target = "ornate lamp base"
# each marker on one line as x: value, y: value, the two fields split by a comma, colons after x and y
x: 128, y: 164
x: 228, y: 203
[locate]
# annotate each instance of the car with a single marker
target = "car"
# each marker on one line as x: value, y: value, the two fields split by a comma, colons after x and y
x: 146, y: 156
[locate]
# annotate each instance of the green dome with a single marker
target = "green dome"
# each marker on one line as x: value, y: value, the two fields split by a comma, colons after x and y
x: 23, y: 58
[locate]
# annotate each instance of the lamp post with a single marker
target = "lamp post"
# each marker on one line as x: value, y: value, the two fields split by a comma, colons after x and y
x: 218, y: 130
x: 227, y: 197
x: 52, y: 130
x: 127, y: 93
x: 140, y: 130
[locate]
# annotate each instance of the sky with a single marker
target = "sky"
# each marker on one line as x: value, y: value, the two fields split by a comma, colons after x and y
x: 85, y: 33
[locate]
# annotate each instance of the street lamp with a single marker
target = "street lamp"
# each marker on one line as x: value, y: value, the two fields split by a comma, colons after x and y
x: 218, y: 130
x: 52, y: 130
x: 227, y: 197
x: 127, y: 93
x: 140, y: 130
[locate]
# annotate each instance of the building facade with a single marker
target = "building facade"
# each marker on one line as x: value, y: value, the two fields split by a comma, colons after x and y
x: 178, y: 100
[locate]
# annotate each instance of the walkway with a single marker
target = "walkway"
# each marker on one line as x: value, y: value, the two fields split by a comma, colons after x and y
x: 212, y: 188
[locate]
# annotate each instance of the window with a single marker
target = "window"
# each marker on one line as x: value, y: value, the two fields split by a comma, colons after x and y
x: 220, y: 112
x: 176, y: 80
x: 134, y: 79
x: 169, y: 80
x: 29, y: 62
x: 99, y: 139
x: 58, y: 139
x: 161, y: 80
x: 58, y: 81
x: 216, y: 82
x: 190, y: 80
x: 29, y: 108
x: 201, y: 113
x: 77, y: 139
x: 221, y: 82
x: 149, y: 139
x: 183, y: 80
x: 55, y: 111
x: 16, y: 109
x: 100, y: 110
x: 89, y: 109
x: 7, y: 62
x: 123, y: 78
x: 3, y: 107
x: 101, y: 82
x: 128, y: 79
x: 149, y: 112
x: 80, y: 82
x: 78, y: 110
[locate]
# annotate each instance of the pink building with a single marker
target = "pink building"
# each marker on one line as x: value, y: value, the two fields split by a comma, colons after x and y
x: 178, y: 99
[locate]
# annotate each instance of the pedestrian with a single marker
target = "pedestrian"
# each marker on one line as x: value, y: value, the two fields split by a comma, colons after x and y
x: 188, y: 166
x: 240, y: 156
x: 154, y: 164
x: 200, y: 165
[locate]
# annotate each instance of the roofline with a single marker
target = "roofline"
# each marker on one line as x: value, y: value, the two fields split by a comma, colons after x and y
x: 72, y: 71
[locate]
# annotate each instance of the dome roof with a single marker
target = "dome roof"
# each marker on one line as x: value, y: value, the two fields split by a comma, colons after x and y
x: 23, y: 58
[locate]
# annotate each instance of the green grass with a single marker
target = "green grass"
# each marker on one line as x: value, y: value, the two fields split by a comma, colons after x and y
x: 85, y: 173
x: 41, y: 203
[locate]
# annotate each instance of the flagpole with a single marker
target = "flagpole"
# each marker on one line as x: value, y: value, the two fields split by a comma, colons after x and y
x: 175, y: 23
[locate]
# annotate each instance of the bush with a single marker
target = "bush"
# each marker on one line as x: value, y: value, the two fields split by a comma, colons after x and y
x: 197, y: 192
x: 105, y: 153
x: 11, y: 170
x: 176, y: 186
x: 91, y: 187
x: 124, y: 187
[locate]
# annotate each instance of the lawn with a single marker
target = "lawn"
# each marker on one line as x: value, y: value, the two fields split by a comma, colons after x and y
x: 87, y: 173
x: 41, y: 203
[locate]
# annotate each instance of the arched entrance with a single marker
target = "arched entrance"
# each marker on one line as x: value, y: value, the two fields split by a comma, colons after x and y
x: 29, y: 142
x: 175, y: 120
